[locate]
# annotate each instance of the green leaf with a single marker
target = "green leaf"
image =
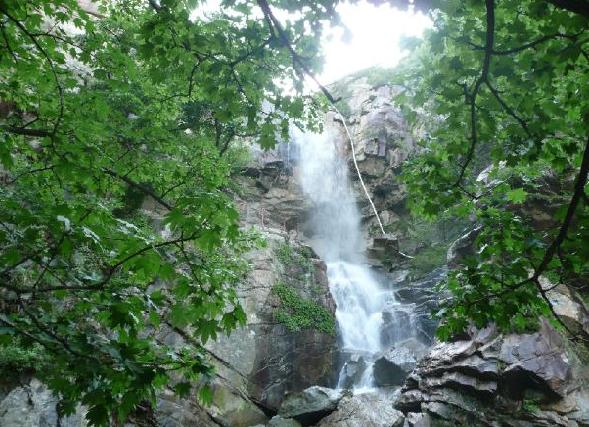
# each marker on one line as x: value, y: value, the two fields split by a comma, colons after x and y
x: 205, y: 395
x: 517, y: 195
x: 182, y: 389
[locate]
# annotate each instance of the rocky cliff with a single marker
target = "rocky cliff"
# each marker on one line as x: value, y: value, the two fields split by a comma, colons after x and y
x: 485, y: 378
x: 266, y: 373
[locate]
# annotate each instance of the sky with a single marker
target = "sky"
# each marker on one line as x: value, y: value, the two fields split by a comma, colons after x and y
x: 375, y: 33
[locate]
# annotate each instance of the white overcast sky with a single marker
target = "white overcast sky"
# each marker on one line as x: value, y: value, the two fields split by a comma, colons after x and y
x: 375, y: 32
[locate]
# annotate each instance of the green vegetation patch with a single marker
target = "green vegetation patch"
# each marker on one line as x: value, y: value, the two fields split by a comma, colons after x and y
x: 16, y: 357
x: 298, y: 313
x: 293, y: 258
x: 428, y: 259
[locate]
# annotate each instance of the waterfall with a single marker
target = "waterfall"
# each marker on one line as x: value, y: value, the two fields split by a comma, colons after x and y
x: 336, y: 236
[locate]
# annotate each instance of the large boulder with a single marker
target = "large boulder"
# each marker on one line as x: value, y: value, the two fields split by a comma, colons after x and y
x: 310, y: 405
x: 495, y: 379
x: 283, y: 360
x: 568, y: 305
x: 258, y: 363
x: 396, y: 363
x: 170, y: 411
x: 363, y: 410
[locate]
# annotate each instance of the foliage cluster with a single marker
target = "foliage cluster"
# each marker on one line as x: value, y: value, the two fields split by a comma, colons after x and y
x: 135, y: 104
x: 298, y: 313
x: 16, y: 358
x: 506, y: 85
x: 295, y: 311
x: 294, y: 259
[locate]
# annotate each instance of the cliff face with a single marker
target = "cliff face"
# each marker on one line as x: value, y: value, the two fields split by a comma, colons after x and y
x: 382, y: 143
x: 287, y: 344
x: 485, y: 378
x: 289, y: 340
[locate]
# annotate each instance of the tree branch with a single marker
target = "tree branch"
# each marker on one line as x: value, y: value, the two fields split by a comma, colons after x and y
x: 274, y: 25
x: 578, y: 194
x: 509, y: 110
x: 26, y: 132
x: 140, y: 187
x: 535, y: 43
x: 489, y: 41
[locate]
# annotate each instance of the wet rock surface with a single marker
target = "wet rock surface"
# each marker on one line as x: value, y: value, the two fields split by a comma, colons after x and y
x: 32, y: 404
x: 497, y: 379
x: 396, y: 363
x: 364, y: 410
x: 278, y: 421
x: 310, y: 405
x: 424, y: 297
x: 352, y: 371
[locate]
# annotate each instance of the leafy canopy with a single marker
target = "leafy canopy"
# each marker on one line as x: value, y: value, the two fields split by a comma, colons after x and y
x: 116, y: 219
x: 507, y: 86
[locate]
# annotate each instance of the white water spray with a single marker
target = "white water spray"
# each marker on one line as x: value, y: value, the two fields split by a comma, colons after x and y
x: 336, y: 236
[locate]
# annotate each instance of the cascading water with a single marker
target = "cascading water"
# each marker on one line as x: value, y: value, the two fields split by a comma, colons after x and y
x: 337, y: 238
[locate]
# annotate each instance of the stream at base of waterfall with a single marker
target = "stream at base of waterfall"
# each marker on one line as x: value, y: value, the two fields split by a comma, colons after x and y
x: 362, y: 296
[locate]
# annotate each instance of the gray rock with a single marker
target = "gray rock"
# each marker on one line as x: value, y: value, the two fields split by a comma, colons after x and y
x: 258, y: 363
x: 493, y: 379
x: 396, y: 363
x: 352, y: 371
x: 382, y: 140
x: 382, y: 250
x: 173, y: 412
x: 363, y: 410
x: 310, y: 405
x: 405, y: 323
x: 32, y: 405
x: 536, y: 360
x: 418, y: 420
x: 278, y: 421
x: 233, y: 409
x: 399, y: 276
x: 462, y: 247
x: 462, y: 382
x: 263, y: 360
x: 568, y: 306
